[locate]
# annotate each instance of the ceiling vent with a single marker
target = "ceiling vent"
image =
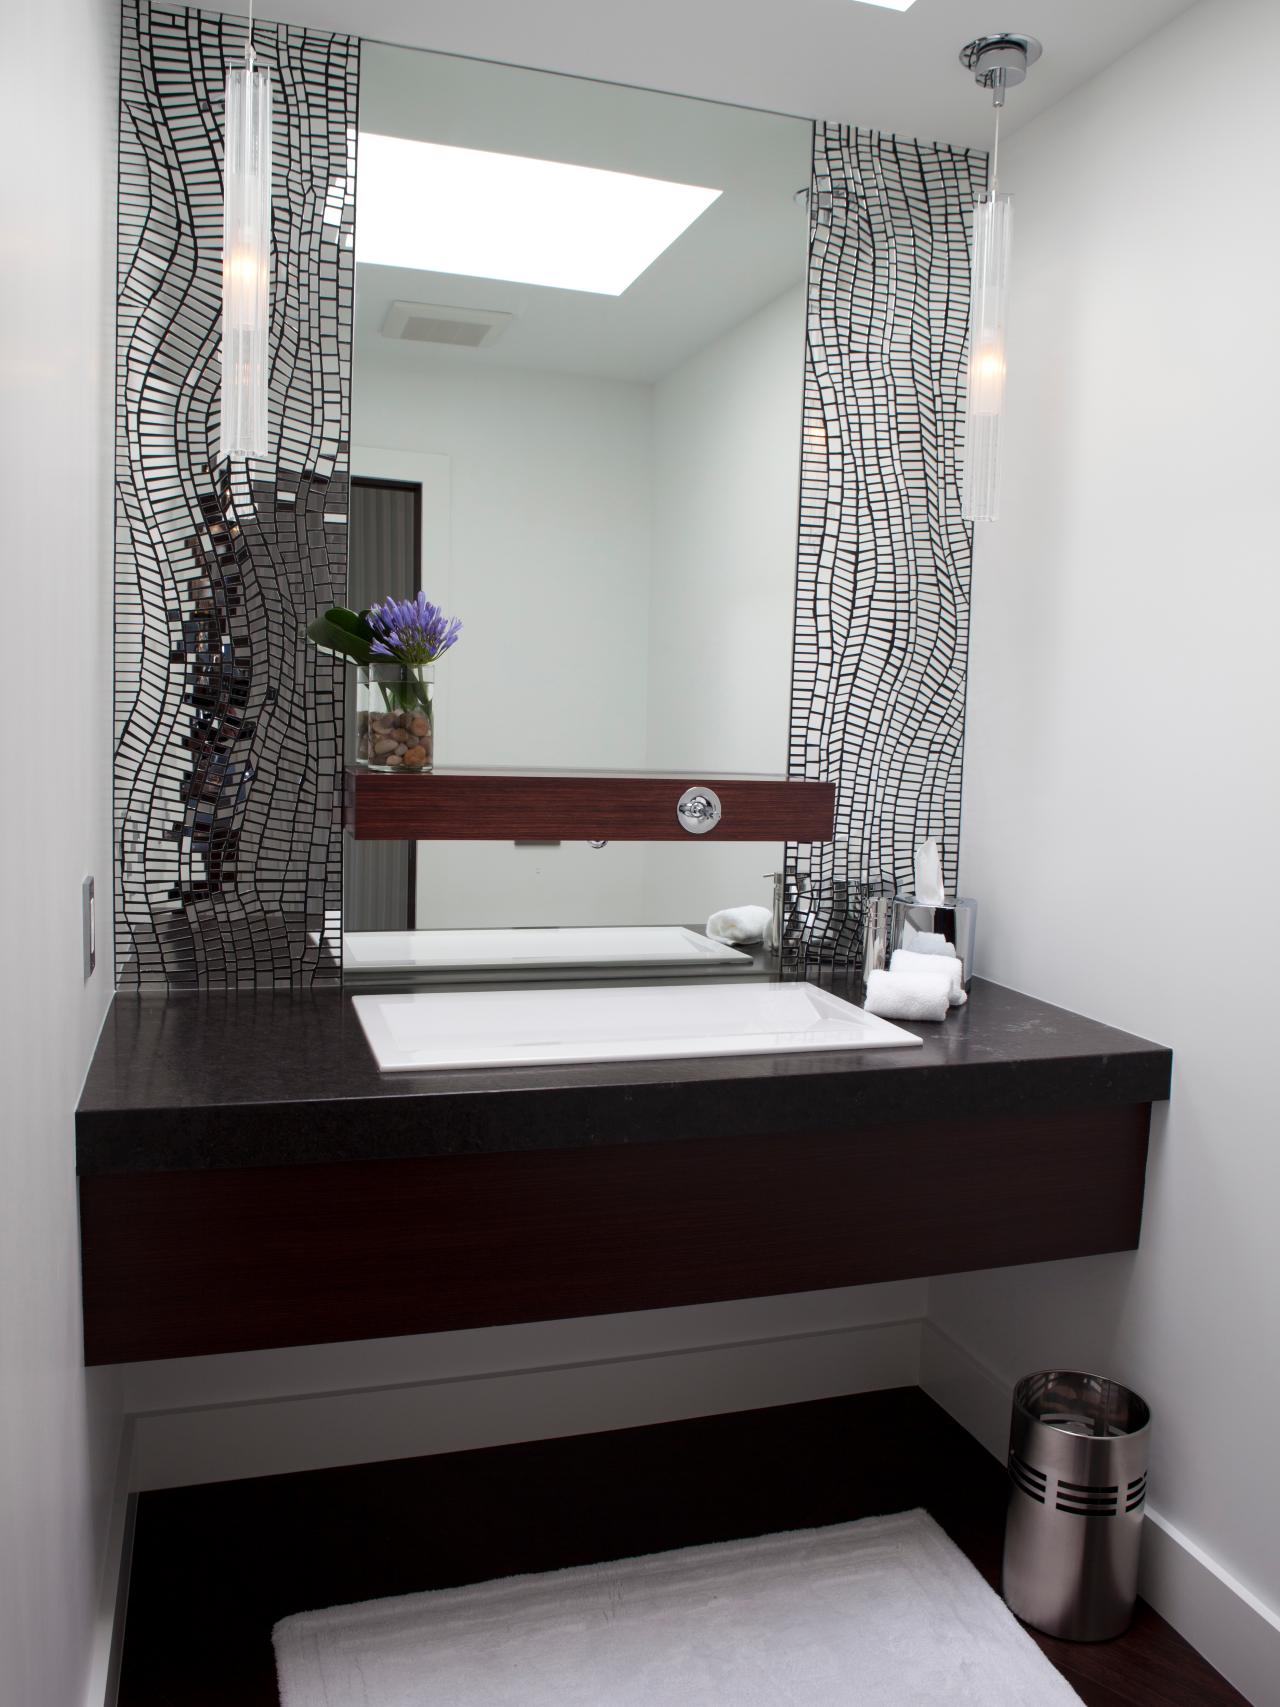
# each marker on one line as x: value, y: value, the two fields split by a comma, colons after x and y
x: 430, y: 323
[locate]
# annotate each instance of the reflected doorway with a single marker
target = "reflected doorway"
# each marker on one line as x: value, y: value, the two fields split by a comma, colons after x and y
x: 379, y: 879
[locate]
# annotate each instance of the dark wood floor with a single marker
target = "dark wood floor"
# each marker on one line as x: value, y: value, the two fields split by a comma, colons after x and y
x: 215, y: 1567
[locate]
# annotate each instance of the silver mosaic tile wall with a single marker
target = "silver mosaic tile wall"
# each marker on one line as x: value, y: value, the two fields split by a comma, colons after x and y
x: 882, y: 616
x: 228, y: 723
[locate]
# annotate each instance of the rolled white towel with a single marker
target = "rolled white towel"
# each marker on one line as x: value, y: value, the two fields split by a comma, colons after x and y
x: 925, y: 942
x: 908, y: 995
x: 933, y: 966
x: 741, y: 924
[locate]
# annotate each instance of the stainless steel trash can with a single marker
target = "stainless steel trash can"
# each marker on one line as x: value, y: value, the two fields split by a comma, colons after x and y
x: 1078, y: 1448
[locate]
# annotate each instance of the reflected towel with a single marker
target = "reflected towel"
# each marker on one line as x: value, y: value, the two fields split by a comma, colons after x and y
x: 925, y: 942
x: 742, y: 924
x: 908, y: 995
x: 932, y: 966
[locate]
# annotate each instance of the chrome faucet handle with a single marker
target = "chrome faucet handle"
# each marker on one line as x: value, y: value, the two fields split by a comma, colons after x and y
x: 698, y: 810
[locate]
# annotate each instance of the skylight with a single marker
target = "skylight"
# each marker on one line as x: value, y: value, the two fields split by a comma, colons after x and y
x: 502, y: 216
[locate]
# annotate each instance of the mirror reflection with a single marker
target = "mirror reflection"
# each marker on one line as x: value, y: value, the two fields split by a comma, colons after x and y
x: 577, y: 389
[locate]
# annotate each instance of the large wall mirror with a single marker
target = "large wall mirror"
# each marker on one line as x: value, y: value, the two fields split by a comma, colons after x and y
x: 576, y: 423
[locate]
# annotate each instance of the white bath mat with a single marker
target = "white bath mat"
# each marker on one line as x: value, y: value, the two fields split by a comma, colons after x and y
x: 881, y: 1613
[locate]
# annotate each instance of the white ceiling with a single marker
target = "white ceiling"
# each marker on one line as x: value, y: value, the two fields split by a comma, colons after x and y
x: 828, y: 59
x: 740, y: 254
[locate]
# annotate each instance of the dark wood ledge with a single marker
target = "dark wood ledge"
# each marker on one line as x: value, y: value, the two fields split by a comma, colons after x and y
x: 518, y: 806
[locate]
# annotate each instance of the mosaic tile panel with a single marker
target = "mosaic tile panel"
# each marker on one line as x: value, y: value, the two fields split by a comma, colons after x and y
x: 882, y: 610
x: 228, y: 723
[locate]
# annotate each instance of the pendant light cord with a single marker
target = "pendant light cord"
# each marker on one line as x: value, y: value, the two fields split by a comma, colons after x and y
x: 248, y: 46
x: 995, y: 156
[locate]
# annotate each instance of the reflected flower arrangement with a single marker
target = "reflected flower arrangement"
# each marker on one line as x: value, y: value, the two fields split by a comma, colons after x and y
x: 394, y: 643
x: 413, y: 631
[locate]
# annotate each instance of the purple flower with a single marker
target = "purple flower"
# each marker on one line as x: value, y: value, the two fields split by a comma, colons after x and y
x: 412, y: 631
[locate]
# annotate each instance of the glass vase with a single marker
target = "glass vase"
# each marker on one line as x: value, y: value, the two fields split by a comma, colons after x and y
x: 395, y: 722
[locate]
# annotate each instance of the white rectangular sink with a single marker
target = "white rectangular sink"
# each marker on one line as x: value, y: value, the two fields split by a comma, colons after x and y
x: 533, y: 947
x: 521, y: 1028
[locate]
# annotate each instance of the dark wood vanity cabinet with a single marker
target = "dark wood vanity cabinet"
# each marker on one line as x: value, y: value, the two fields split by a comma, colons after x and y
x: 248, y: 1178
x: 241, y: 1258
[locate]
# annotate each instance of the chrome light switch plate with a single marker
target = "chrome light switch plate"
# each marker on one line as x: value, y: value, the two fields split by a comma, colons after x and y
x: 89, y: 926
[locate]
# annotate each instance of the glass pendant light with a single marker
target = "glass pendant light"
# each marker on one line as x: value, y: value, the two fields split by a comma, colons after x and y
x: 246, y: 258
x: 997, y: 62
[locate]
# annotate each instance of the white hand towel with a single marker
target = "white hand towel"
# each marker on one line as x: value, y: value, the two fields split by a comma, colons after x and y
x: 933, y: 966
x: 908, y: 995
x: 925, y: 942
x: 741, y: 924
x: 928, y: 863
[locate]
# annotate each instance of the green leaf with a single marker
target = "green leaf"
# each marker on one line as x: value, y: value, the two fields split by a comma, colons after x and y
x: 355, y: 623
x: 343, y: 633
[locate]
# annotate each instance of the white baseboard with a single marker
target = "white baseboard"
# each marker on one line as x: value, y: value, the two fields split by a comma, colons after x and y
x: 965, y: 1388
x: 251, y: 1436
x: 103, y: 1682
x: 1234, y: 1630
x: 1225, y: 1621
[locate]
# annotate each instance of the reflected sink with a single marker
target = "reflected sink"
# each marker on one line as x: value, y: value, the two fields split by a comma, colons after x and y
x: 522, y: 1028
x: 536, y: 947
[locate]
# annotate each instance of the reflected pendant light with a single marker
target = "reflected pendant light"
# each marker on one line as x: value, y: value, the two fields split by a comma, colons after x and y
x: 997, y: 63
x: 246, y: 258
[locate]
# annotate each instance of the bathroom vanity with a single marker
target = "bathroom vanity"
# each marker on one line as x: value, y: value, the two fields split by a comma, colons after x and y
x: 700, y: 521
x: 249, y: 1179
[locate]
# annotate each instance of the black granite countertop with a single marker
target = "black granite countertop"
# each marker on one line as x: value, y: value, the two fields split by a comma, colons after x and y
x: 263, y: 1079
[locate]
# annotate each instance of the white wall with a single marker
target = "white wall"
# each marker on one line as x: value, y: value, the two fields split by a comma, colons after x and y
x: 59, y: 1430
x: 726, y: 500
x: 550, y: 518
x: 726, y: 496
x: 550, y: 537
x: 255, y: 1413
x: 623, y: 558
x: 1122, y: 808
